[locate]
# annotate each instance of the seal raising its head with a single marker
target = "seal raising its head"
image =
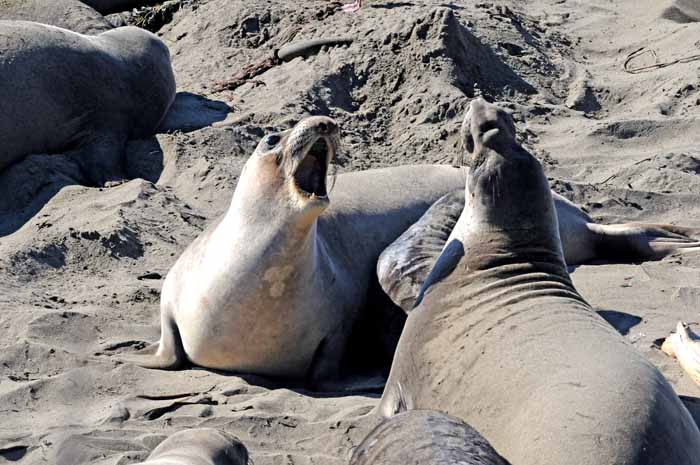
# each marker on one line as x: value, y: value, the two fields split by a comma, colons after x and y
x: 501, y: 339
x: 276, y: 285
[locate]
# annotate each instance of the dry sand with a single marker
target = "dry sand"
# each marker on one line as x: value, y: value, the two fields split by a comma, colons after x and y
x: 81, y: 268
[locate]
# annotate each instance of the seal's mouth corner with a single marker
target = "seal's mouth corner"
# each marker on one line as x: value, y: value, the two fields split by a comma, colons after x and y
x: 311, y: 172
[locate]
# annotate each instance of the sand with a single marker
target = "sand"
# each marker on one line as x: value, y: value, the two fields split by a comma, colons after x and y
x: 81, y: 268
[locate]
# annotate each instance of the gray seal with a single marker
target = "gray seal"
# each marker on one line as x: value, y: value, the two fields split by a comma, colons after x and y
x: 67, y: 14
x: 84, y: 95
x: 200, y: 446
x: 275, y: 286
x: 683, y: 11
x: 501, y: 339
x: 425, y: 437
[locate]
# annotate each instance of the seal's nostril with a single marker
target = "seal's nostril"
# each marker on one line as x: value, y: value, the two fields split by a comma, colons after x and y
x: 327, y: 127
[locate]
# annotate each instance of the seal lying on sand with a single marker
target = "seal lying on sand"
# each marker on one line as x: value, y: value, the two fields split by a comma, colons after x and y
x: 274, y: 287
x: 425, y: 436
x: 68, y: 14
x: 87, y: 95
x: 201, y: 446
x: 501, y: 339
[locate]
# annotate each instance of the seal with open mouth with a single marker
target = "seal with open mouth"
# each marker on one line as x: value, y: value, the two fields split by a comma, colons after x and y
x: 275, y: 286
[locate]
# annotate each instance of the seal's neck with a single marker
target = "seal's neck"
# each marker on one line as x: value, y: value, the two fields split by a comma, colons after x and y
x: 508, y: 226
x: 509, y: 213
x: 268, y: 228
x: 496, y: 272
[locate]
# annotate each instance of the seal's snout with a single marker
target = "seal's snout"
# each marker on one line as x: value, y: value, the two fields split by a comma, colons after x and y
x: 328, y: 128
x: 485, y: 126
x: 312, y: 146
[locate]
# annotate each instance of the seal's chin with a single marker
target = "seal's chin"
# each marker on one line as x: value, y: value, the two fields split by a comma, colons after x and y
x: 310, y: 174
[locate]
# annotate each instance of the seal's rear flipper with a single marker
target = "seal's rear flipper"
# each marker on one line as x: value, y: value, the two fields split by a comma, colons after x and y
x: 404, y: 265
x: 168, y: 354
x: 640, y: 241
x: 396, y: 399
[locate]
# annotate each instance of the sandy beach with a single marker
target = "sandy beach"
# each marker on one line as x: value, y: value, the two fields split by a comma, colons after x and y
x: 81, y: 268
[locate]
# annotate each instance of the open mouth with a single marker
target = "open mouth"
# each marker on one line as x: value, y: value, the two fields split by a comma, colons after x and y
x: 310, y: 175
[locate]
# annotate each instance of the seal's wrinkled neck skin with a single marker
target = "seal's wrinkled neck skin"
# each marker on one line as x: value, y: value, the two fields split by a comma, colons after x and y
x: 506, y: 192
x: 508, y: 224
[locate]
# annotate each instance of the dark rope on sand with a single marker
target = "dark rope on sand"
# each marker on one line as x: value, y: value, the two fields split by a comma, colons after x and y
x: 644, y: 69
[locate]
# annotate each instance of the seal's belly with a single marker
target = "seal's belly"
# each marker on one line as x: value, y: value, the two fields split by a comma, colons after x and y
x: 259, y: 336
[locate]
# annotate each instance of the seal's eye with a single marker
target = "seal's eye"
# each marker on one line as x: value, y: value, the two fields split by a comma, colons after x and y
x: 272, y: 140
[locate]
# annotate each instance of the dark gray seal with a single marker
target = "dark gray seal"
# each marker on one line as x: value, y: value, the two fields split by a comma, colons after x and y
x: 200, y: 446
x: 67, y: 14
x: 425, y: 437
x: 85, y: 95
x: 501, y: 339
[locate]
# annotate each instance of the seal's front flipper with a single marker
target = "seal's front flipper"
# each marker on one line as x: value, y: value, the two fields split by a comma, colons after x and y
x: 396, y: 399
x: 640, y: 241
x: 405, y: 264
x: 168, y: 354
x: 101, y: 158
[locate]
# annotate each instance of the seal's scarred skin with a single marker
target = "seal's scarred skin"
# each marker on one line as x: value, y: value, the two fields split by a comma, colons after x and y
x: 501, y: 339
x: 425, y: 437
x: 65, y: 92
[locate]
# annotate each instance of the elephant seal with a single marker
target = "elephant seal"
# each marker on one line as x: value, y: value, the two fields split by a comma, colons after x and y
x: 67, y: 14
x: 84, y: 95
x: 425, y: 436
x: 274, y: 287
x: 501, y: 339
x: 201, y: 446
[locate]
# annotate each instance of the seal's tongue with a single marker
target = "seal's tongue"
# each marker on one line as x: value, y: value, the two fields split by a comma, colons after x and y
x: 310, y: 175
